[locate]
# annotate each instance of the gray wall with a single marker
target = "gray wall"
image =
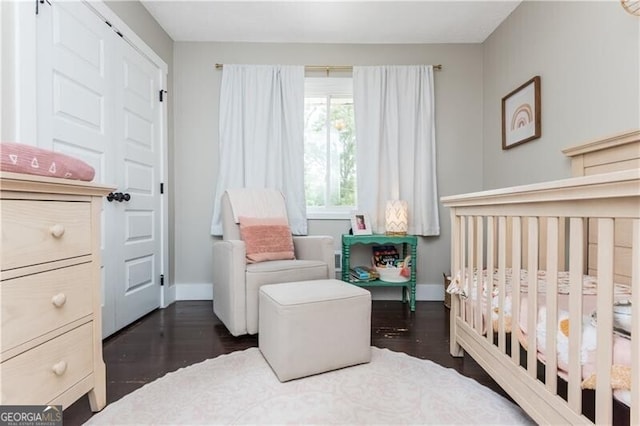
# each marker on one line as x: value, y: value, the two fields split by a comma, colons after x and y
x: 586, y: 54
x: 145, y: 26
x: 197, y: 84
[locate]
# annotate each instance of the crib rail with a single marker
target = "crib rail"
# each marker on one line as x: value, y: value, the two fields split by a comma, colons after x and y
x: 550, y: 227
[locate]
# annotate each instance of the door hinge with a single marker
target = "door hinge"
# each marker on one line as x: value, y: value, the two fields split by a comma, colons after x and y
x: 162, y: 92
x: 161, y: 280
x: 115, y: 30
x: 39, y: 2
x: 162, y: 187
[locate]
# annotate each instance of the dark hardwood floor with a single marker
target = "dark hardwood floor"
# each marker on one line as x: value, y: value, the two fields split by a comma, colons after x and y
x: 188, y: 332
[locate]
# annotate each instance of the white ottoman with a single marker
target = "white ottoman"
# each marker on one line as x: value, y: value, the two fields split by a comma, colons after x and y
x: 309, y: 327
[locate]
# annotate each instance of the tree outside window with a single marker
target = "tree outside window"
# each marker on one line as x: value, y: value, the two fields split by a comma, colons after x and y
x: 330, y: 144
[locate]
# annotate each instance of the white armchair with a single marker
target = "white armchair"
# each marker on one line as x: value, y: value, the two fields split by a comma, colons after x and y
x: 236, y: 282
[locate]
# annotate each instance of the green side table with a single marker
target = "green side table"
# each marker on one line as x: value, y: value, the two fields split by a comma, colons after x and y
x: 409, y: 246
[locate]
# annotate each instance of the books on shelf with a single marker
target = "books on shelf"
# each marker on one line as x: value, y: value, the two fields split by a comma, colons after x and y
x: 385, y: 256
x: 363, y: 274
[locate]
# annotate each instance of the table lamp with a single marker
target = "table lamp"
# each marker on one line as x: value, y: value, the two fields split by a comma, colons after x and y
x: 396, y: 222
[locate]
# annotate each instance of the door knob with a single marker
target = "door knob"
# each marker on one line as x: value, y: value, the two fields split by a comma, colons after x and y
x: 118, y: 196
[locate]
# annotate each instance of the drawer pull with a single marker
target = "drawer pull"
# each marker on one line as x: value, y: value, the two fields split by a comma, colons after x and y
x: 59, y: 368
x: 59, y: 300
x: 57, y: 230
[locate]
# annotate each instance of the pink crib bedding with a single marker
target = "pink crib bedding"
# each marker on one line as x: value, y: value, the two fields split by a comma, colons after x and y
x: 621, y: 369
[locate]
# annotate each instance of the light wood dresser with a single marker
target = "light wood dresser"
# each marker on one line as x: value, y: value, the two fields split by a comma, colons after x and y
x: 50, y: 335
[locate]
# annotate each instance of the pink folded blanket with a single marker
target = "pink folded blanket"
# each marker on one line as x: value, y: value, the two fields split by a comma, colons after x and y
x: 22, y: 158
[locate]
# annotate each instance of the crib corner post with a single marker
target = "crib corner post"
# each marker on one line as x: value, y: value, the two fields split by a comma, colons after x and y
x: 454, y: 347
x: 457, y: 223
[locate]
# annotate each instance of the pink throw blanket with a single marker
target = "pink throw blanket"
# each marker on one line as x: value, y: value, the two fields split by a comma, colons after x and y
x: 22, y: 158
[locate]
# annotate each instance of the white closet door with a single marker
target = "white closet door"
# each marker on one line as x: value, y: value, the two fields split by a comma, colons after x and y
x: 75, y: 76
x: 138, y: 138
x: 76, y: 109
x: 96, y: 102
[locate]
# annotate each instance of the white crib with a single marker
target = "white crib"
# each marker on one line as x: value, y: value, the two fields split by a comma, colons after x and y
x: 575, y: 245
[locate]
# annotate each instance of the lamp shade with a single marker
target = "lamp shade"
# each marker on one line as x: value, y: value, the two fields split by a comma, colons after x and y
x: 396, y: 217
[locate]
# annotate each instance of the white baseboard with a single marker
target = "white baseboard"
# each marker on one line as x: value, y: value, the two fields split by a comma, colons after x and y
x: 430, y: 292
x: 424, y: 292
x: 194, y: 291
x: 168, y: 296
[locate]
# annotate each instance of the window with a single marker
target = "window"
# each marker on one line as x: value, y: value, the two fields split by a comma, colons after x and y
x: 330, y: 147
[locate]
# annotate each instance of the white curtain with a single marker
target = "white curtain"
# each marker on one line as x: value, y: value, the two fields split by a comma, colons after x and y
x: 262, y: 136
x: 396, y: 147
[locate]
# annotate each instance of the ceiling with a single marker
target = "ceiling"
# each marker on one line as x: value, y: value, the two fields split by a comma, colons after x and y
x: 426, y: 21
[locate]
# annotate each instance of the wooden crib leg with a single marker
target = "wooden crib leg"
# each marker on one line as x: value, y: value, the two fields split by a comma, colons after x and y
x: 454, y: 348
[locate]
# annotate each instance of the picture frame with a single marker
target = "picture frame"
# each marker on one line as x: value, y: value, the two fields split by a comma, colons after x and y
x: 521, y: 112
x: 360, y: 224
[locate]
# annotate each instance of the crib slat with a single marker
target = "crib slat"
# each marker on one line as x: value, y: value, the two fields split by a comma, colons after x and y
x: 604, y: 358
x: 464, y: 272
x: 532, y: 296
x: 516, y: 234
x: 576, y: 268
x: 502, y: 266
x: 491, y: 238
x: 475, y: 285
x: 635, y: 324
x: 479, y: 261
x: 551, y: 369
x: 470, y: 272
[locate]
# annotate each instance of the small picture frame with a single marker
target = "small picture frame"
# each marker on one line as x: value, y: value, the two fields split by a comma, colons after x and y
x: 360, y: 224
x: 521, y: 114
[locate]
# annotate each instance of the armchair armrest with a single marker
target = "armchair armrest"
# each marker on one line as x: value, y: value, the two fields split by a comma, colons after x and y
x: 229, y: 292
x: 316, y: 247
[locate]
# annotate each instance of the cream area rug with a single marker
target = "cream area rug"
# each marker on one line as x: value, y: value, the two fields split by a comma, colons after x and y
x: 241, y: 388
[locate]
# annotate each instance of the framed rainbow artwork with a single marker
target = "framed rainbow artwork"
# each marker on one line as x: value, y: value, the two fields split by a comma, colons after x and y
x: 521, y: 114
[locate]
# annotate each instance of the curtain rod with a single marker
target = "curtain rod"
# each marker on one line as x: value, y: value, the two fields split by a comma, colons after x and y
x: 329, y: 68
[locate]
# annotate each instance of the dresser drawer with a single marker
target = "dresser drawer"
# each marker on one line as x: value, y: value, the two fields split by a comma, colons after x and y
x: 44, y: 372
x: 36, y: 304
x: 43, y: 231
